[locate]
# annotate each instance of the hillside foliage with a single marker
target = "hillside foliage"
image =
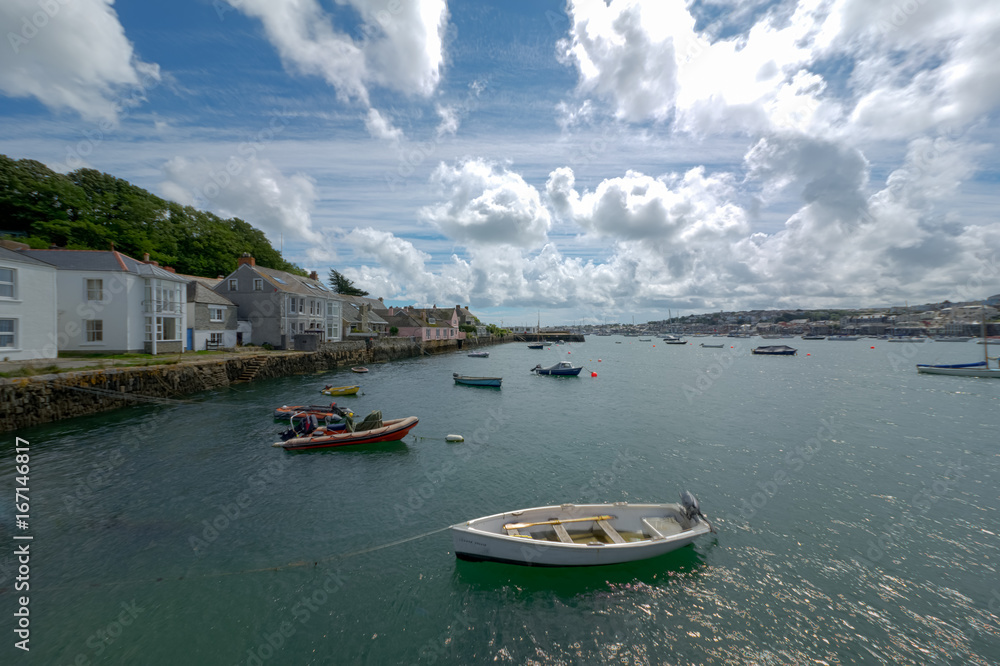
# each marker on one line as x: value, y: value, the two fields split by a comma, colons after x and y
x: 89, y: 210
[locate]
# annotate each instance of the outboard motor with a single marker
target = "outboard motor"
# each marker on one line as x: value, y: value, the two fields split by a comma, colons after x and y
x: 691, y: 509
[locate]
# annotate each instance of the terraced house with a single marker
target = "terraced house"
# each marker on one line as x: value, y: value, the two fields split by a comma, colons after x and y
x: 280, y: 305
x: 108, y: 302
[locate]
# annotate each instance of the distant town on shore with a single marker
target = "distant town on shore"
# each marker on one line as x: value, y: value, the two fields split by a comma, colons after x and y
x: 930, y: 320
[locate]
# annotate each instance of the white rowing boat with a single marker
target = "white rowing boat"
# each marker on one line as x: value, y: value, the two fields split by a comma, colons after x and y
x: 573, y: 535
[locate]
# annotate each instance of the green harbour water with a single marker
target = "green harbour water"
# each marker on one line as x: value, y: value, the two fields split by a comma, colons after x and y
x: 857, y: 505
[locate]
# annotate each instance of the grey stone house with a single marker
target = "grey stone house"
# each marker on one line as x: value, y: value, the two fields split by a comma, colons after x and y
x: 211, y: 317
x: 361, y: 321
x: 280, y: 305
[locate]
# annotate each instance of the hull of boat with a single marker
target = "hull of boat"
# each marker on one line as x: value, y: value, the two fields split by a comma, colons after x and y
x: 484, y: 539
x: 341, y: 390
x: 764, y: 351
x: 391, y: 431
x: 712, y: 346
x: 359, y: 370
x: 493, y: 382
x: 969, y: 370
x: 536, y: 346
x: 480, y: 354
x: 564, y: 373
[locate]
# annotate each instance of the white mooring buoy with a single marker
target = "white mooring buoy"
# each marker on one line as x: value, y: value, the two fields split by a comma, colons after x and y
x: 454, y: 438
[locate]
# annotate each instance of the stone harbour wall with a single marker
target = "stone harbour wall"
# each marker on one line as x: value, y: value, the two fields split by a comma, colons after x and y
x: 29, y: 401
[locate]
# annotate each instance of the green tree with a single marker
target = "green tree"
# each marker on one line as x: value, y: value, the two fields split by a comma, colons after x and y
x: 89, y: 210
x: 342, y: 285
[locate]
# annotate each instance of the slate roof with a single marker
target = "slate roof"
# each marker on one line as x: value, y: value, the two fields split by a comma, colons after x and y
x: 101, y: 260
x: 294, y: 284
x: 401, y: 320
x: 11, y: 255
x: 349, y: 312
x: 199, y: 292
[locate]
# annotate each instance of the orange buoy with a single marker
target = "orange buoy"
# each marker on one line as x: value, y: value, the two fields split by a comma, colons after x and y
x: 593, y: 374
x: 598, y: 360
x: 808, y: 354
x: 873, y: 347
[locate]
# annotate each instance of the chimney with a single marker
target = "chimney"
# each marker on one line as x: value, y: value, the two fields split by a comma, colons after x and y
x: 168, y: 268
x: 220, y: 277
x: 314, y: 275
x: 145, y: 257
x: 380, y: 300
x: 246, y: 259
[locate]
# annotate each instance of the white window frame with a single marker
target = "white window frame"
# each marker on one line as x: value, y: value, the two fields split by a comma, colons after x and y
x: 216, y: 314
x: 12, y: 283
x: 12, y: 334
x: 89, y: 290
x: 215, y: 338
x: 233, y: 284
x: 258, y: 284
x: 94, y: 330
x: 302, y: 306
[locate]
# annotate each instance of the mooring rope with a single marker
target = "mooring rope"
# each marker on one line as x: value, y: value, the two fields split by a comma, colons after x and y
x: 280, y: 567
x: 118, y: 395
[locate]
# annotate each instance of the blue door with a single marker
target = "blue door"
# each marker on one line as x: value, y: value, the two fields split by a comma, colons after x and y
x: 190, y: 339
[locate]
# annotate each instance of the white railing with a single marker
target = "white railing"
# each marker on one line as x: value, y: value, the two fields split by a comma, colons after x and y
x: 159, y: 307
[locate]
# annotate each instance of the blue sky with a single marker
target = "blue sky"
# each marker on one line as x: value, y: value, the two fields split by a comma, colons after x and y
x: 592, y: 160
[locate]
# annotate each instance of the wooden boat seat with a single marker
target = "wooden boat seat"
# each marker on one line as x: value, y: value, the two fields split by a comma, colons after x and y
x: 610, y: 531
x: 513, y: 531
x: 658, y: 526
x: 562, y: 533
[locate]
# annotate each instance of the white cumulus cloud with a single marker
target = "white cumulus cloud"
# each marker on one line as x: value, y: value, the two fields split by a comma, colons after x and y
x: 252, y: 189
x: 72, y: 55
x: 400, y: 46
x: 487, y: 204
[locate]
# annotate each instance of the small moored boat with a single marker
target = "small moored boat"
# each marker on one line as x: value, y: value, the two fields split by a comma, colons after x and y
x: 359, y: 369
x: 340, y: 390
x: 581, y: 534
x: 477, y: 381
x: 980, y: 369
x: 479, y: 354
x: 712, y: 346
x: 538, y: 346
x: 372, y: 429
x: 564, y: 368
x: 774, y: 350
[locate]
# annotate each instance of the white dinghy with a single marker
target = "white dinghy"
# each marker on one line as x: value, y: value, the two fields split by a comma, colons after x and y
x: 576, y: 535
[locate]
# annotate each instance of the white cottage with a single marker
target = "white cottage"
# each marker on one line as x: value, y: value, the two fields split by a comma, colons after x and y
x: 109, y: 302
x: 27, y: 307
